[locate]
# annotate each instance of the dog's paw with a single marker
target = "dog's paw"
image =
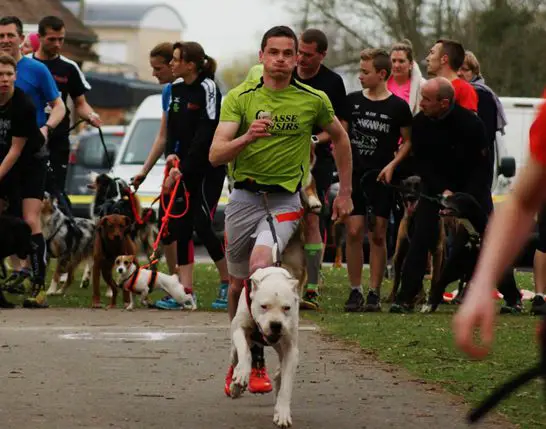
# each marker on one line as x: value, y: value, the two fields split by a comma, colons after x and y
x: 315, y: 205
x: 109, y: 293
x: 426, y: 309
x: 84, y: 284
x: 129, y: 307
x: 51, y: 292
x: 241, y: 376
x: 282, y: 416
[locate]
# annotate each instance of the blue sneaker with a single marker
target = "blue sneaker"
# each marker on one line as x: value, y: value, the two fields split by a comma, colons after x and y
x: 221, y: 302
x: 167, y: 304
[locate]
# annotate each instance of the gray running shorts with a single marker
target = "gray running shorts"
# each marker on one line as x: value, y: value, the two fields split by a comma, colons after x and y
x: 246, y: 225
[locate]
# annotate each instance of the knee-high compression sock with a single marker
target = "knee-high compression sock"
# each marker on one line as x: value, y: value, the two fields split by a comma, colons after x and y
x: 38, y: 259
x: 313, y: 257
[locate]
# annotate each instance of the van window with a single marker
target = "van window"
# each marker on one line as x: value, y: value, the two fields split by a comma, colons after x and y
x: 140, y: 142
x: 91, y: 153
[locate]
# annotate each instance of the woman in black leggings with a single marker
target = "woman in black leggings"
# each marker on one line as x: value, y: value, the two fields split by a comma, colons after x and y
x: 189, y: 124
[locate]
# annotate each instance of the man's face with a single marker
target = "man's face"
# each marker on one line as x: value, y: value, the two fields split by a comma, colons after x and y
x: 309, y: 59
x: 435, y: 59
x: 7, y: 78
x: 279, y: 57
x: 161, y: 70
x: 10, y: 40
x: 52, y: 42
x: 430, y: 104
x: 369, y: 77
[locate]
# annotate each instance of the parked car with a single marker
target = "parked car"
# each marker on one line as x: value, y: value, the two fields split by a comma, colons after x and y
x: 134, y: 150
x: 86, y: 155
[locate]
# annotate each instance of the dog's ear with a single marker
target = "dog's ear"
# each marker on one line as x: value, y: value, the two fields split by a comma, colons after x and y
x: 126, y: 221
x: 102, y: 223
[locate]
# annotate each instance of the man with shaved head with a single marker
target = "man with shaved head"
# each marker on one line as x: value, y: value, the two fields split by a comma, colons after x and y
x: 449, y: 145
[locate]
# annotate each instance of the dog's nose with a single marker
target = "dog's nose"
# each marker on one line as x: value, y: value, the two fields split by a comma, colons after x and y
x: 275, y: 327
x: 120, y: 270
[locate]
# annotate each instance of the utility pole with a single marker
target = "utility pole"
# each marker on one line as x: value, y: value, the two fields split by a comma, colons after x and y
x: 81, y: 12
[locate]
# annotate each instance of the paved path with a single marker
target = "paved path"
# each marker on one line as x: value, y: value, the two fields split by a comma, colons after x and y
x: 68, y: 369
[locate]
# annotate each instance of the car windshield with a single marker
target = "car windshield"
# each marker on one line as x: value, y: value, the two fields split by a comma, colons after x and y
x: 140, y: 142
x: 92, y: 153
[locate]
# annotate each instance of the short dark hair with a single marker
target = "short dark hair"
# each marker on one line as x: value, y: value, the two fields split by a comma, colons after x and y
x: 53, y: 22
x: 279, y: 31
x: 8, y: 20
x: 8, y: 60
x: 454, y: 51
x: 312, y: 35
x: 163, y: 50
x: 380, y: 58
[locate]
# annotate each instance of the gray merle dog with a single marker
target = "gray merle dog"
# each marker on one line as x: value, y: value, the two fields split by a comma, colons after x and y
x: 69, y: 241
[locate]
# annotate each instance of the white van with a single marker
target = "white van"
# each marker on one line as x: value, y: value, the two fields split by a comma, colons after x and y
x: 520, y: 114
x: 136, y: 146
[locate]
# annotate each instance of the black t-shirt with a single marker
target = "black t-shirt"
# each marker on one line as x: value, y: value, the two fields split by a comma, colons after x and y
x: 192, y: 118
x: 70, y: 81
x: 18, y: 119
x: 332, y: 84
x: 374, y: 129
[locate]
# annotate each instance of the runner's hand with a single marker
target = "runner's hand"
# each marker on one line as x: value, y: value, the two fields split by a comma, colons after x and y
x: 258, y: 129
x: 94, y: 119
x: 173, y: 176
x: 171, y: 160
x: 476, y: 311
x: 137, y: 180
x: 342, y: 207
x: 386, y: 174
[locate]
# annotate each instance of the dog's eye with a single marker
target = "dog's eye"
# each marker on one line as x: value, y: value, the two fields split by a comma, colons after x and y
x: 286, y: 308
x: 264, y: 306
x: 126, y: 263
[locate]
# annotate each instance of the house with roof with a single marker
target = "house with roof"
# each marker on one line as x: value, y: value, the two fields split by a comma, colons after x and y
x: 79, y: 39
x: 128, y: 33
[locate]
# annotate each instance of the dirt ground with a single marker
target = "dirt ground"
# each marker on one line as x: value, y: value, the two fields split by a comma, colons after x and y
x: 69, y: 368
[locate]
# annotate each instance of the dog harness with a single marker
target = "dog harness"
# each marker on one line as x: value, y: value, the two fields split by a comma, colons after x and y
x: 257, y: 335
x: 129, y: 284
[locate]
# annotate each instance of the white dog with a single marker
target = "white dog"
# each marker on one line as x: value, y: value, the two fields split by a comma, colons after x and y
x: 272, y: 308
x: 140, y: 281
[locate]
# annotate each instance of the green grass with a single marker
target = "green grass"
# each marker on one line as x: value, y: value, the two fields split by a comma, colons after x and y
x: 423, y: 344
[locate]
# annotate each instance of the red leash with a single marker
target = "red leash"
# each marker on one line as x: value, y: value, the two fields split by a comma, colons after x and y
x: 167, y: 210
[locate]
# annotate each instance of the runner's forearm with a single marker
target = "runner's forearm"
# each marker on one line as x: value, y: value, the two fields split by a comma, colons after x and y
x: 344, y: 164
x: 224, y: 151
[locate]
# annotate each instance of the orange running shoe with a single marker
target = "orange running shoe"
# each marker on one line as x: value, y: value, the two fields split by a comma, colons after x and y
x: 259, y: 381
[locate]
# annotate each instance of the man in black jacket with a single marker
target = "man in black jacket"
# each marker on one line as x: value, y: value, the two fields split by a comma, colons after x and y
x: 450, y: 149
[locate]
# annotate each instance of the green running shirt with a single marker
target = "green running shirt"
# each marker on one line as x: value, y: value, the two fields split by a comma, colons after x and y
x: 283, y: 158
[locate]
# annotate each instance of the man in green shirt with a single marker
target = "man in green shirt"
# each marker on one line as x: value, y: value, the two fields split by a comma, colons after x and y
x: 265, y: 133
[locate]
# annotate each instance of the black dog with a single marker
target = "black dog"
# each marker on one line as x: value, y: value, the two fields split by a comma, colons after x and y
x: 471, y: 224
x: 15, y: 236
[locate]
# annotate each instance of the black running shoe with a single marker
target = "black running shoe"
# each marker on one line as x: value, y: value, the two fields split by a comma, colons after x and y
x: 355, y: 302
x: 373, y: 303
x: 538, y: 306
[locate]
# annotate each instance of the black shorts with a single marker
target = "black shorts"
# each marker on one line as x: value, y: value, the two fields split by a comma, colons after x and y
x: 541, y: 245
x: 58, y: 161
x: 323, y: 173
x: 33, y: 178
x: 9, y: 193
x: 373, y: 194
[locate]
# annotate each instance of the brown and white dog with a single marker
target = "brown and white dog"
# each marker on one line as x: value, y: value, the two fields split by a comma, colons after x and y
x: 308, y: 192
x: 270, y: 308
x: 112, y: 239
x: 140, y: 281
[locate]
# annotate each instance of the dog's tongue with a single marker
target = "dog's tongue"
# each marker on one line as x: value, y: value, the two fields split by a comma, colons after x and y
x: 411, y: 207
